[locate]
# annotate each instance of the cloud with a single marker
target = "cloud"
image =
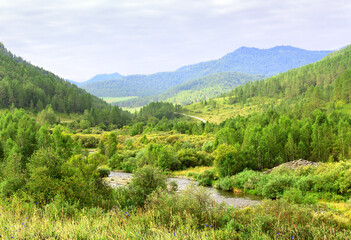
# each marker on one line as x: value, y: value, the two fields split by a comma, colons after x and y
x: 78, y: 39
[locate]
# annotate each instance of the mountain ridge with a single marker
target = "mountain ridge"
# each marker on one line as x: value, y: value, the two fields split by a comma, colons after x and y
x: 243, y: 60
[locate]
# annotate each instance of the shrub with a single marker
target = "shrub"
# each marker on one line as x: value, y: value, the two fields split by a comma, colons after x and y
x: 225, y: 183
x: 115, y: 161
x: 228, y: 161
x: 276, y: 185
x: 129, y: 165
x: 104, y: 171
x: 207, y: 147
x: 146, y: 180
x: 206, y: 178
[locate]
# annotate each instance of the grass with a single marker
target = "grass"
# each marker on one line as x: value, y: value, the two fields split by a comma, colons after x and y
x: 222, y: 110
x: 197, y: 170
x: 132, y: 110
x: 117, y: 99
x: 271, y: 220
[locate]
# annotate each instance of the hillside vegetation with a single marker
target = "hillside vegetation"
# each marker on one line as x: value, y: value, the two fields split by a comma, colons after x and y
x: 324, y: 84
x: 196, y: 90
x: 26, y: 86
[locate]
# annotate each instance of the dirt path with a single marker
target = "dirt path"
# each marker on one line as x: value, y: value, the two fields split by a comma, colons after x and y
x: 201, y: 119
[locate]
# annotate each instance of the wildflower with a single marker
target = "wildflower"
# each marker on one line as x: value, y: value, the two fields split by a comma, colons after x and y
x: 174, y: 234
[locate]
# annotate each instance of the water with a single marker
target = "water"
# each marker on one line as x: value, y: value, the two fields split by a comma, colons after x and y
x: 219, y: 196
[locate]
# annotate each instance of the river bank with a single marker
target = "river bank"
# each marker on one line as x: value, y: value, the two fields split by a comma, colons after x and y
x: 117, y: 179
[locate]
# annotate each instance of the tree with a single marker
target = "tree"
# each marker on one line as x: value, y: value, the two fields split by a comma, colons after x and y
x: 146, y: 180
x: 111, y: 145
x: 228, y: 161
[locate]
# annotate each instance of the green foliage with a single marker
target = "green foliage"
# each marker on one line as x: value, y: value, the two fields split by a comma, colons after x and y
x: 328, y: 181
x: 207, y: 177
x: 145, y: 181
x: 104, y: 171
x: 47, y: 116
x: 111, y: 145
x: 227, y: 161
x: 27, y: 86
x: 136, y: 129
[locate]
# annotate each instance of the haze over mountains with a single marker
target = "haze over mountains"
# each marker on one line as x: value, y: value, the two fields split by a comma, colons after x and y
x: 263, y: 62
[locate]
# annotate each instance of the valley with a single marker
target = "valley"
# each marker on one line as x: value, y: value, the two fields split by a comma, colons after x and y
x: 59, y: 144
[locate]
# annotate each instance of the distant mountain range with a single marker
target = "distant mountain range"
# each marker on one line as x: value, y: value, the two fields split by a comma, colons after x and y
x: 98, y: 78
x: 196, y: 90
x: 264, y: 62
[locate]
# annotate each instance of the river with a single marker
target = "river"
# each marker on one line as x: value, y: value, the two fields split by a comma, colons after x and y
x: 219, y: 196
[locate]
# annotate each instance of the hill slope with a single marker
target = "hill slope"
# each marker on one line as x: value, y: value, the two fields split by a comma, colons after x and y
x: 244, y: 60
x: 196, y: 90
x: 321, y: 85
x: 28, y: 86
x: 103, y: 77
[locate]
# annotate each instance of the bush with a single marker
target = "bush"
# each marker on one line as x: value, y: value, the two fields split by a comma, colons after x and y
x: 207, y: 147
x: 275, y: 187
x: 295, y: 195
x: 104, y: 171
x: 129, y: 165
x: 206, y: 178
x: 115, y: 161
x: 146, y: 180
x: 225, y: 183
x: 228, y: 161
x: 192, y: 207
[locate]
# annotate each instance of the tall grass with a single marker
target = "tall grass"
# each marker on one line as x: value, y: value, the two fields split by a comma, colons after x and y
x: 186, y: 215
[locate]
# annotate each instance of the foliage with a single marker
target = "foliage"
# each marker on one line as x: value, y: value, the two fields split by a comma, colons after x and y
x: 27, y: 86
x: 328, y: 181
x: 227, y: 161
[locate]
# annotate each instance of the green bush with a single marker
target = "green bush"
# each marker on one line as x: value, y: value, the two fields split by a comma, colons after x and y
x: 104, y: 171
x: 276, y: 186
x: 225, y: 183
x: 207, y: 147
x: 295, y: 195
x: 146, y: 180
x: 115, y: 161
x: 207, y: 177
x: 192, y: 208
x: 129, y: 165
x: 228, y: 160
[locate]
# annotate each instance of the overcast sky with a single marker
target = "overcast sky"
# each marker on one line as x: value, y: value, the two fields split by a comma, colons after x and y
x: 77, y: 39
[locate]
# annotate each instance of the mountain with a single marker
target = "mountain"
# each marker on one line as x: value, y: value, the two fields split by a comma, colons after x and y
x: 318, y: 80
x: 324, y: 85
x: 73, y: 82
x: 245, y: 60
x: 103, y: 77
x: 28, y: 86
x: 196, y: 90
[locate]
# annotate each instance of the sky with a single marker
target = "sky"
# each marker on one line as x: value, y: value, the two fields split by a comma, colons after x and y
x: 81, y: 38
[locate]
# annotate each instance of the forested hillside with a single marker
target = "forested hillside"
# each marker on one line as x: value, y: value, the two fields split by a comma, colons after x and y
x: 196, y: 90
x: 315, y: 84
x: 27, y: 86
x: 244, y: 60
